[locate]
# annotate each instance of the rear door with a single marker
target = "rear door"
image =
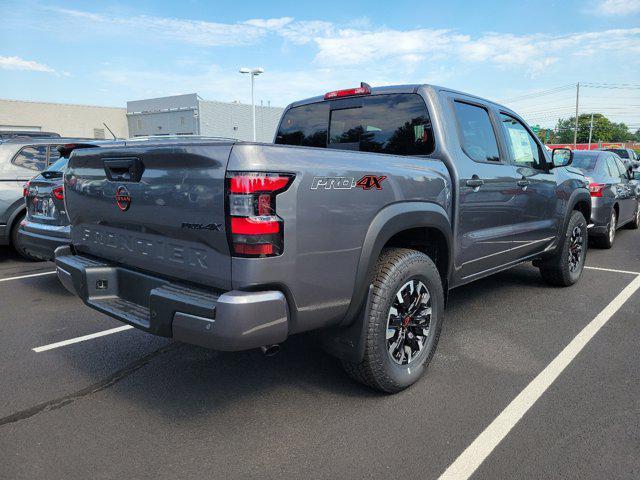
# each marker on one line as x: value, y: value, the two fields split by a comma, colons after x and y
x: 536, y: 222
x: 158, y: 208
x: 626, y: 197
x: 487, y: 192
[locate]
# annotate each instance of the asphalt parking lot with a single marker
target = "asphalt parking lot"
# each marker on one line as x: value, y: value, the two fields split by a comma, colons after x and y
x: 130, y: 405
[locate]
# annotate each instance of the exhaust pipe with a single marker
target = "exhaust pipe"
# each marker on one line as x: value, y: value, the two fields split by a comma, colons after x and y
x: 270, y: 350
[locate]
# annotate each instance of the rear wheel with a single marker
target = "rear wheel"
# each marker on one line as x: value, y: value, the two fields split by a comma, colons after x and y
x: 565, y: 267
x: 606, y: 241
x: 635, y: 223
x: 404, y: 321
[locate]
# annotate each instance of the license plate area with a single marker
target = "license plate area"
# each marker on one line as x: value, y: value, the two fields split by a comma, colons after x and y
x: 43, y: 207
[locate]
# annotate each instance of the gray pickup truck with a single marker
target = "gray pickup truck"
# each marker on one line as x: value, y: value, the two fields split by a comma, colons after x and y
x: 371, y: 205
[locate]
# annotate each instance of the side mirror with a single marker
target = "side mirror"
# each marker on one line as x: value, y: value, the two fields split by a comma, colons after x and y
x: 561, y: 157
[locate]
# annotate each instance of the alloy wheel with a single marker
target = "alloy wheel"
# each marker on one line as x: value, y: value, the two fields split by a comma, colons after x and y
x: 612, y: 227
x: 408, y: 322
x: 576, y: 248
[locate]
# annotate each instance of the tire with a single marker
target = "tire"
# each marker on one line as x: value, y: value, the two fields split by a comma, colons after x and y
x: 408, y: 273
x: 606, y: 241
x: 17, y: 243
x: 565, y: 267
x: 635, y: 223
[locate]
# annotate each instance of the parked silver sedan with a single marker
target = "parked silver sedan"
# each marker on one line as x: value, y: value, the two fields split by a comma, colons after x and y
x: 614, y: 202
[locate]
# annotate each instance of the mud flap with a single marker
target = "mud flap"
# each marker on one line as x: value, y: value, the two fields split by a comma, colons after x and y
x: 348, y: 343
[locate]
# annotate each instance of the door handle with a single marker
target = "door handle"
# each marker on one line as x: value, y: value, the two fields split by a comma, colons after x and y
x: 524, y: 183
x: 475, y: 182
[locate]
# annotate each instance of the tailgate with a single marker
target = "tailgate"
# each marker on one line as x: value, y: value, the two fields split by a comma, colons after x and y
x: 159, y: 209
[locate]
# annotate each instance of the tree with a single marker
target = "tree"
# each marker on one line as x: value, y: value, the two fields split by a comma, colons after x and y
x: 604, y: 130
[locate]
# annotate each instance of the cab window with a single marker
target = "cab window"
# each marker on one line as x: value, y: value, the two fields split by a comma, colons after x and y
x: 33, y: 158
x: 476, y: 132
x: 523, y: 148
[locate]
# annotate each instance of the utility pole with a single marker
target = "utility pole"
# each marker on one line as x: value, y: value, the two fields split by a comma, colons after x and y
x: 590, y: 130
x: 575, y: 131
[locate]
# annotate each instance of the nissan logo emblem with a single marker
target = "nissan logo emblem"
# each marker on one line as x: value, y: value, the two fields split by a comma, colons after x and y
x: 123, y: 198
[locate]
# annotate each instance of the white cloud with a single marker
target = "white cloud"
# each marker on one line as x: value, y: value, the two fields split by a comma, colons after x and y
x: 271, y: 23
x: 17, y: 63
x: 617, y: 7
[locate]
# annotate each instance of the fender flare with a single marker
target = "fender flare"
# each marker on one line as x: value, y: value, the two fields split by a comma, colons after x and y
x: 347, y: 341
x: 389, y: 221
x: 577, y: 195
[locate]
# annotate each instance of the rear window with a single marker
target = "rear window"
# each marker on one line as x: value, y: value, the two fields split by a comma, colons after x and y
x: 586, y: 163
x: 305, y: 126
x: 396, y: 124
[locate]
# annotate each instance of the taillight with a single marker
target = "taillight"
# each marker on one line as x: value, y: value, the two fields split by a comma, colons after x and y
x: 596, y: 189
x: 255, y: 228
x: 58, y: 192
x: 25, y: 189
x: 363, y: 89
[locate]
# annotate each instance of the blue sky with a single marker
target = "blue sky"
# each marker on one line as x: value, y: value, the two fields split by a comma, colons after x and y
x: 106, y: 53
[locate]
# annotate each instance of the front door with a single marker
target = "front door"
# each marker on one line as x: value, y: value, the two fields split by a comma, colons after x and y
x: 536, y: 224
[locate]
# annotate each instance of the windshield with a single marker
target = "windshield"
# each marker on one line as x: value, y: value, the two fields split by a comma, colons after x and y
x: 58, y: 165
x: 586, y: 163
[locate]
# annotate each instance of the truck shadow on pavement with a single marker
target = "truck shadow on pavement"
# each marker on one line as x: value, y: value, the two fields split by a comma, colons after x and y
x: 180, y: 381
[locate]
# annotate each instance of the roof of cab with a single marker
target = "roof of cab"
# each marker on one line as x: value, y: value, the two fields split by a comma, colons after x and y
x: 410, y: 88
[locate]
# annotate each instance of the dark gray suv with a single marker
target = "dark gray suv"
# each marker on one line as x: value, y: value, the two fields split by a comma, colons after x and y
x: 613, y: 197
x: 21, y: 159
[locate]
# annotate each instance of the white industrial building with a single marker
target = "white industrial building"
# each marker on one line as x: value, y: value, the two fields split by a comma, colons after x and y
x: 180, y: 114
x: 86, y: 121
x: 191, y: 115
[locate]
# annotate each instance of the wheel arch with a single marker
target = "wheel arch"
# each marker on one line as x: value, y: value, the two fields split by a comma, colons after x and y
x: 11, y: 222
x: 403, y: 224
x: 579, y: 200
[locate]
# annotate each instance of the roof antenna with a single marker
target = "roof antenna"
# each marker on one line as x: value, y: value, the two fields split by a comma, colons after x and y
x: 107, y: 127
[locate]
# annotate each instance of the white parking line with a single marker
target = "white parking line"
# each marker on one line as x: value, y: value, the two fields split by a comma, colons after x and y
x: 612, y: 270
x: 466, y: 464
x: 27, y: 276
x: 81, y: 339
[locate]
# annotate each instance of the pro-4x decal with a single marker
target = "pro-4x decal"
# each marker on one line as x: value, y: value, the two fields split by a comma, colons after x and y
x: 367, y: 182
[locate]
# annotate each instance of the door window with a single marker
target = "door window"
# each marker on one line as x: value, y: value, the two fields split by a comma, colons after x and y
x: 524, y: 149
x: 622, y: 170
x: 33, y: 158
x: 476, y: 133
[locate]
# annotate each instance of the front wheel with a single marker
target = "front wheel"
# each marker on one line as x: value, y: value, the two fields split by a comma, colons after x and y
x: 404, y: 321
x: 565, y: 267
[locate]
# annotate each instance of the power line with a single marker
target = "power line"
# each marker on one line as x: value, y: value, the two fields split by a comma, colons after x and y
x: 539, y: 93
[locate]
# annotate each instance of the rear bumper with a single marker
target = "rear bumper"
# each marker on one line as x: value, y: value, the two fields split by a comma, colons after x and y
x: 600, y: 216
x: 232, y: 320
x: 42, y: 240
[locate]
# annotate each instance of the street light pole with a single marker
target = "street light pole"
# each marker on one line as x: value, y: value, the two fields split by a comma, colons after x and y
x: 590, y: 130
x: 575, y: 131
x: 253, y: 72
